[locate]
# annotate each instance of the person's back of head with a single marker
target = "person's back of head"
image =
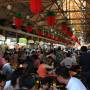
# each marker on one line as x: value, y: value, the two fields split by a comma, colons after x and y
x: 68, y: 54
x: 63, y: 72
x: 83, y: 49
x: 42, y: 62
x: 59, y: 48
x: 26, y: 81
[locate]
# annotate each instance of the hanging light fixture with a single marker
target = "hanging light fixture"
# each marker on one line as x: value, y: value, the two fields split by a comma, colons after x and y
x: 27, y: 17
x: 9, y: 7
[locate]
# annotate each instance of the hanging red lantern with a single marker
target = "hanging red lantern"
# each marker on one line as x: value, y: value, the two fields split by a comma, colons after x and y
x: 29, y: 29
x: 18, y: 20
x: 52, y: 37
x: 57, y: 38
x: 75, y: 39
x: 78, y: 43
x: 51, y: 19
x: 35, y: 6
x: 48, y: 35
x: 66, y: 30
x: 63, y: 41
x: 39, y: 32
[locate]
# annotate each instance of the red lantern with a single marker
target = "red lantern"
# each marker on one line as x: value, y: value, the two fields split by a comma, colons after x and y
x: 18, y: 22
x: 39, y: 32
x: 45, y: 34
x: 78, y: 43
x: 59, y: 39
x: 51, y: 20
x: 35, y: 6
x: 66, y: 30
x: 29, y: 29
x: 64, y: 41
x: 55, y: 38
x: 48, y: 35
x: 51, y: 36
x: 75, y: 39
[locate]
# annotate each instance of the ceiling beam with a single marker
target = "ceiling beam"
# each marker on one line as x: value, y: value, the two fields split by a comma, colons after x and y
x: 82, y: 24
x: 27, y: 34
x: 76, y: 19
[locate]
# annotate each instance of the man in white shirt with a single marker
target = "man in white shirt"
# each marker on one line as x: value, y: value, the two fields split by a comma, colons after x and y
x: 72, y: 83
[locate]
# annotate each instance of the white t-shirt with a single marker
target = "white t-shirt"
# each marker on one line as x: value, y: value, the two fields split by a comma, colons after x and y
x: 8, y: 85
x: 68, y: 62
x: 75, y: 84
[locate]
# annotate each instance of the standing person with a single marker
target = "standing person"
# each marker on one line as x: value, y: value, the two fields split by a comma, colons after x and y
x: 2, y: 76
x: 44, y: 74
x: 51, y: 53
x: 42, y: 69
x: 36, y: 62
x: 6, y: 69
x: 59, y: 56
x: 41, y: 55
x: 84, y: 61
x: 74, y: 57
x: 13, y: 84
x: 68, y: 62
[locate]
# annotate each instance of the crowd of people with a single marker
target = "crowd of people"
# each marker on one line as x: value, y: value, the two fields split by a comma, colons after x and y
x: 38, y: 69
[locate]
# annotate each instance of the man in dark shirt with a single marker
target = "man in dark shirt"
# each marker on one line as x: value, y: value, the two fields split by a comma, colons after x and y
x: 85, y: 65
